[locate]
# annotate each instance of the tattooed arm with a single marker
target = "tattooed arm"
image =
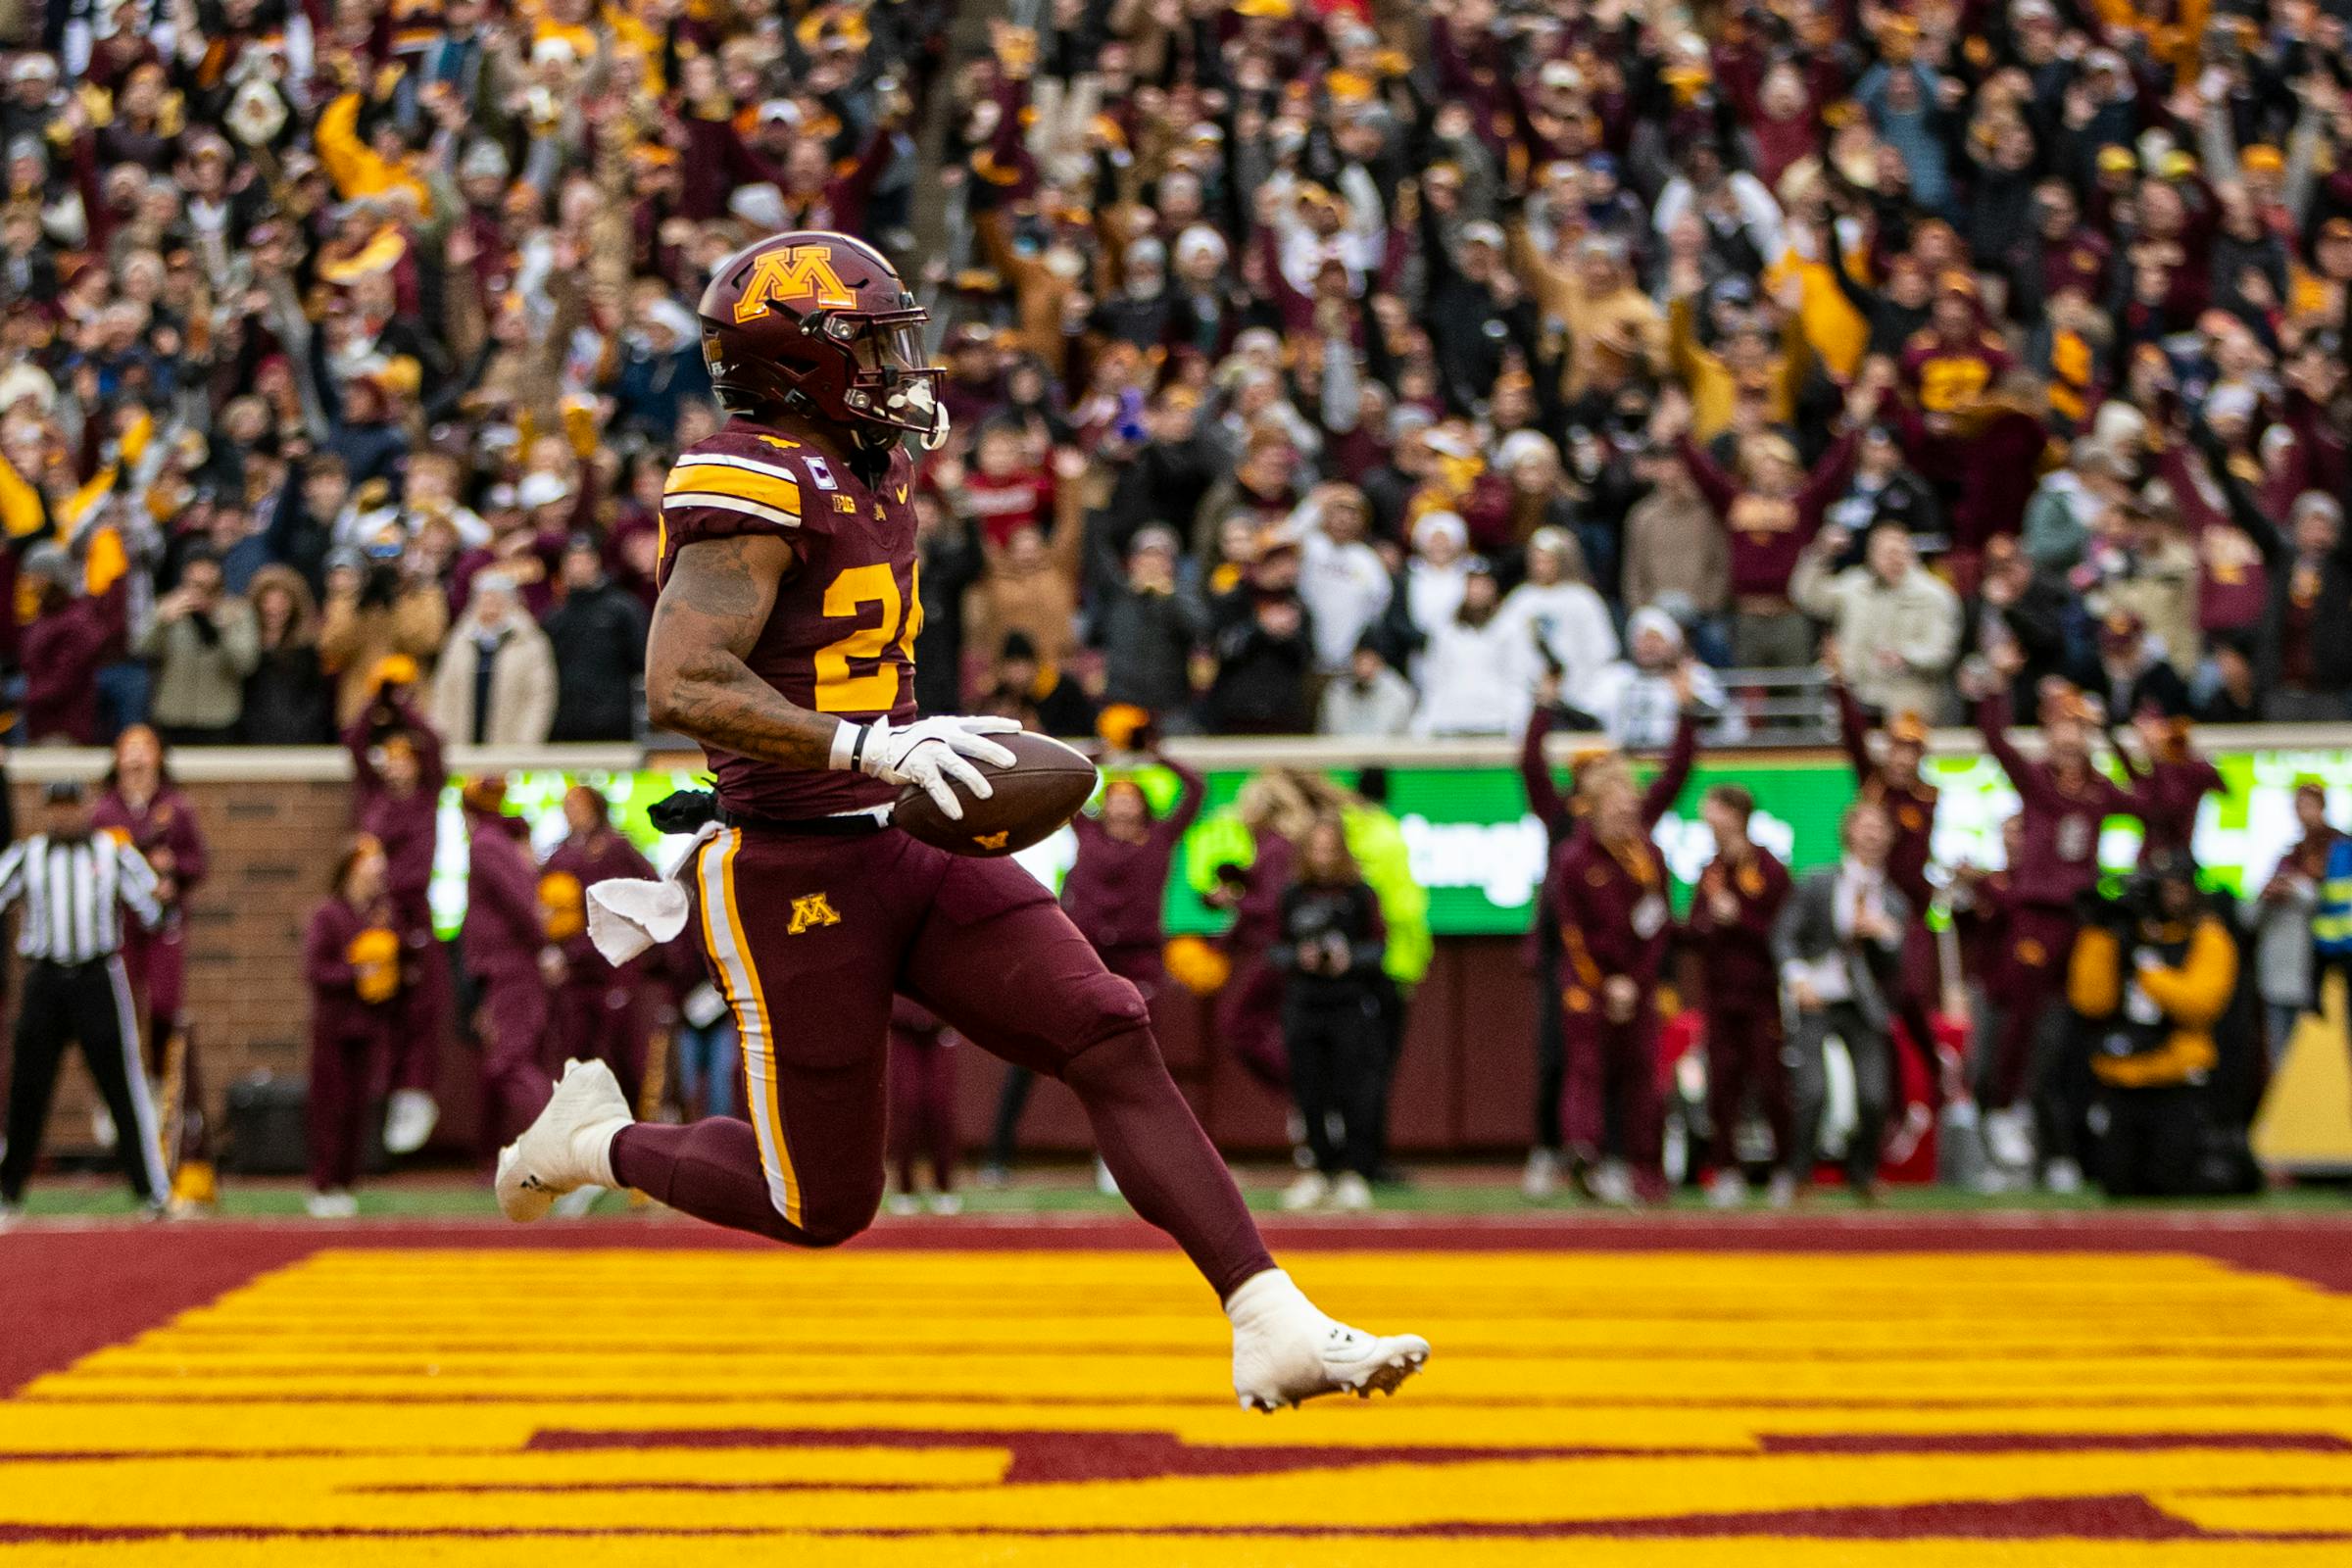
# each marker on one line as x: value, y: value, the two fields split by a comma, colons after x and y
x: 696, y: 682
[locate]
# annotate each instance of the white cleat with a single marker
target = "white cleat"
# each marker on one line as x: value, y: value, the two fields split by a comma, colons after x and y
x: 1352, y: 1194
x: 946, y: 1205
x: 568, y: 1148
x: 2009, y: 1137
x: 1613, y: 1183
x: 1308, y: 1191
x: 903, y: 1205
x: 1727, y: 1189
x: 1286, y: 1351
x: 410, y: 1117
x: 1542, y: 1178
x: 334, y: 1205
x: 2063, y: 1177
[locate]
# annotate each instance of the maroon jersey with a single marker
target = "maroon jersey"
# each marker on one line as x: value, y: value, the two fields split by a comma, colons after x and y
x: 164, y: 823
x: 333, y: 949
x: 578, y: 865
x: 2059, y: 859
x: 1738, y: 952
x: 2170, y: 792
x: 1910, y: 808
x: 503, y: 930
x: 1611, y: 899
x: 406, y: 827
x: 1115, y: 888
x: 1769, y: 532
x: 839, y: 638
x: 1981, y: 911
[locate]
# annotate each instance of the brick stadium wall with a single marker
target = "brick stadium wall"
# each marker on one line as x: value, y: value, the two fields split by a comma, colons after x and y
x: 1462, y: 1083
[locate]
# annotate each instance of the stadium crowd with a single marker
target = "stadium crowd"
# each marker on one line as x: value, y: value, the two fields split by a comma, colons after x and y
x: 1376, y: 372
x: 1440, y: 368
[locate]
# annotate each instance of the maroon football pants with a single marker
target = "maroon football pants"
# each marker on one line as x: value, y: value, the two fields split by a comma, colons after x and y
x: 923, y: 1105
x: 1613, y: 1066
x: 424, y: 1007
x: 2041, y: 941
x: 1743, y: 1052
x: 512, y: 1023
x: 603, y: 1017
x: 809, y: 935
x: 342, y: 1094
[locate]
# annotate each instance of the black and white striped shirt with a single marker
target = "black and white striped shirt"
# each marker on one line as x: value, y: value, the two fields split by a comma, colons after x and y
x: 75, y: 892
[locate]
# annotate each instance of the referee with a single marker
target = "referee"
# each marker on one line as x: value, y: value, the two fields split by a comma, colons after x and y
x: 74, y: 886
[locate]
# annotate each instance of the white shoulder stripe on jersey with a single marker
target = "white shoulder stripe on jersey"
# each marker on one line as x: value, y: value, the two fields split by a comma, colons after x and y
x: 719, y: 503
x: 693, y: 460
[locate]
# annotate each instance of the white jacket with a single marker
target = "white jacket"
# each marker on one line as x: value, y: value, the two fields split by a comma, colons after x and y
x: 1896, y: 640
x: 1572, y: 621
x: 1477, y: 680
x: 523, y: 686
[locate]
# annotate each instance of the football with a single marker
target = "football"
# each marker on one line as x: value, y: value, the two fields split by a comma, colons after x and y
x: 1043, y: 789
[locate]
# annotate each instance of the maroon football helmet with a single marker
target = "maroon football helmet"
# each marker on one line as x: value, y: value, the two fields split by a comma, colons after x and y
x: 820, y: 324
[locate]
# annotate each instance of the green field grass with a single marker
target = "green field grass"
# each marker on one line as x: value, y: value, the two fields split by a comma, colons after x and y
x: 1482, y: 1191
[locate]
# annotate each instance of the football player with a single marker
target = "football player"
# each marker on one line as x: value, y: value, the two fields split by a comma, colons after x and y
x: 784, y: 641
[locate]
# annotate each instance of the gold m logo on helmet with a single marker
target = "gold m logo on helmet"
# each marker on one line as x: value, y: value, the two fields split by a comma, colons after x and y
x: 811, y: 910
x: 796, y: 274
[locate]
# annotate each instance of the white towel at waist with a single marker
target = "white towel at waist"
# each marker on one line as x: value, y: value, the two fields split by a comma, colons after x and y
x: 628, y: 914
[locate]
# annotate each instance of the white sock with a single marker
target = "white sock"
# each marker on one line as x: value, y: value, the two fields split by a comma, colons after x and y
x: 600, y: 1151
x: 1265, y: 1296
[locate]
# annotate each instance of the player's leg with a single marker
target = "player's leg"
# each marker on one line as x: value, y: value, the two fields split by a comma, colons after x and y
x: 1768, y: 1052
x: 998, y: 960
x: 1583, y: 1118
x: 938, y: 1103
x: 906, y: 1106
x: 98, y: 1011
x: 327, y: 1118
x: 1543, y: 1161
x: 1360, y: 1071
x: 1308, y: 1042
x: 1731, y: 1058
x: 1643, y: 1106
x: 806, y: 1168
x: 513, y: 1016
x: 39, y: 1050
x: 1810, y: 1092
x: 1872, y: 1052
x: 1012, y: 1099
x: 422, y: 1018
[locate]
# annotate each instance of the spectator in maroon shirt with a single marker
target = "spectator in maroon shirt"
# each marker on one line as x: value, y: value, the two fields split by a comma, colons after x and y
x: 1772, y: 506
x: 352, y: 959
x: 2173, y: 782
x: 144, y: 806
x: 510, y: 961
x: 1738, y: 899
x: 397, y: 776
x: 599, y: 1011
x: 71, y: 636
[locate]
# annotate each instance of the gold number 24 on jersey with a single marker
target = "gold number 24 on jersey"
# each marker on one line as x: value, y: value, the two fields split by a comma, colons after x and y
x: 838, y: 691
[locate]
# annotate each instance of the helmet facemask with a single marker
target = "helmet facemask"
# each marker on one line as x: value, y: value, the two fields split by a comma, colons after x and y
x: 889, y: 385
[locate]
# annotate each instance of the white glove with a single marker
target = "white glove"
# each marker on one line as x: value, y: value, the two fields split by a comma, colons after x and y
x: 930, y: 752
